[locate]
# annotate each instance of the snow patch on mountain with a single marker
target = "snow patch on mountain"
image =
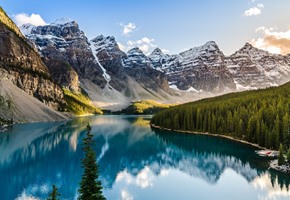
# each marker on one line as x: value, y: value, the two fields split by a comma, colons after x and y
x: 136, y: 58
x: 256, y: 68
x: 26, y: 29
x: 94, y: 50
x: 104, y: 43
x: 191, y: 89
x: 199, y: 69
x: 62, y: 21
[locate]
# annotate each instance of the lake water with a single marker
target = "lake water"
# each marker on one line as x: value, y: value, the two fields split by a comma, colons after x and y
x: 135, y: 162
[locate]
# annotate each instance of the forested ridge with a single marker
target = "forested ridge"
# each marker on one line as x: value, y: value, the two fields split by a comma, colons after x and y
x: 259, y: 116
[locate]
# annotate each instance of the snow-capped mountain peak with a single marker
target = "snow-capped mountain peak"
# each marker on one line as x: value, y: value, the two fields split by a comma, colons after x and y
x: 62, y: 21
x: 202, y: 68
x: 107, y: 43
x: 250, y: 48
x: 136, y: 58
x: 211, y: 44
x: 184, y: 70
x: 208, y: 48
x: 256, y: 68
x: 157, y: 51
x: 26, y: 28
x: 135, y: 51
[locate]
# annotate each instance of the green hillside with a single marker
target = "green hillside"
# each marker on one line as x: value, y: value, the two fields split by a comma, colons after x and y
x: 259, y: 116
x: 80, y: 104
x: 145, y: 107
x: 9, y: 23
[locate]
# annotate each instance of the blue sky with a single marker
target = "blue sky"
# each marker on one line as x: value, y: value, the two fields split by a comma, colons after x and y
x: 172, y: 25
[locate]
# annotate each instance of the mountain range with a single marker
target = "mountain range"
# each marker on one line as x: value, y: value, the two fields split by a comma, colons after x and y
x: 43, y: 61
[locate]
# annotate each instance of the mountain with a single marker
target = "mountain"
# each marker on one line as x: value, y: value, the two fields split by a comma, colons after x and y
x: 98, y: 66
x: 22, y: 69
x: 108, y: 53
x: 206, y: 68
x: 254, y: 68
x: 137, y: 65
x: 134, y: 64
x: 198, y: 69
x: 62, y: 43
x: 113, y: 78
x: 130, y: 79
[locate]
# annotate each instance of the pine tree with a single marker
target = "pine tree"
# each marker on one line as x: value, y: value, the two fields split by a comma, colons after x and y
x: 261, y: 116
x: 288, y: 155
x: 54, y: 194
x: 286, y: 129
x: 90, y: 186
x: 281, y: 159
x: 276, y: 132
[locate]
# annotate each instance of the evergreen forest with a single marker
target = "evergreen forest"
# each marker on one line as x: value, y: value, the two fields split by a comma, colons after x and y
x: 258, y: 116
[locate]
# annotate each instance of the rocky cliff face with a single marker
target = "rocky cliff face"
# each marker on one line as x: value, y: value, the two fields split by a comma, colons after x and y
x: 110, y: 58
x: 63, y: 74
x: 206, y: 68
x: 63, y: 41
x: 99, y: 64
x: 139, y: 66
x: 255, y: 68
x: 23, y: 66
x: 119, y: 64
x: 109, y: 54
x: 201, y: 68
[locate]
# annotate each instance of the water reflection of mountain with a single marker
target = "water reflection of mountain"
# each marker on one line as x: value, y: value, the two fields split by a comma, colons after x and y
x: 31, y: 163
x: 37, y: 156
x: 208, y: 157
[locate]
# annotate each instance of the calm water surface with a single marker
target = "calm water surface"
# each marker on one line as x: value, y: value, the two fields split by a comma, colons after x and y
x: 135, y: 162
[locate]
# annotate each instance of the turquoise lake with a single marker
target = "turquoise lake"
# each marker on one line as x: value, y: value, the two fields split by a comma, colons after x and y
x: 135, y: 162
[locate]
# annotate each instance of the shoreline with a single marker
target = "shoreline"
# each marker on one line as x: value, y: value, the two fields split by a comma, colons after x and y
x: 3, y: 128
x: 273, y: 164
x: 285, y: 168
x: 211, y: 134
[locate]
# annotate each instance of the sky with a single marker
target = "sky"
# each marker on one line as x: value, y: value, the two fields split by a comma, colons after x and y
x: 172, y: 25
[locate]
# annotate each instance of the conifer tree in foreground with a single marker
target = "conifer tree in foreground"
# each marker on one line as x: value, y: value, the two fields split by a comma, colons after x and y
x: 54, y: 194
x: 90, y: 186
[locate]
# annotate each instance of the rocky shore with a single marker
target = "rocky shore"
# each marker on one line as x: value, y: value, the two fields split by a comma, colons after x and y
x: 282, y: 168
x: 3, y: 128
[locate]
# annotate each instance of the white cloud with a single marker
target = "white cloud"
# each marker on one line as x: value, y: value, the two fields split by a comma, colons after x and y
x: 145, y: 44
x: 144, y: 179
x: 257, y: 10
x: 23, y: 18
x: 128, y: 28
x: 268, y: 190
x: 273, y: 41
x: 125, y: 195
x: 260, y: 6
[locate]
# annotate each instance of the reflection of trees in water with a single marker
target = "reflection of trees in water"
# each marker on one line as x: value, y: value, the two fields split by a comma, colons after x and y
x: 206, y: 157
x: 49, y: 154
x: 281, y: 179
x: 46, y: 158
x: 52, y: 156
x: 242, y: 155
